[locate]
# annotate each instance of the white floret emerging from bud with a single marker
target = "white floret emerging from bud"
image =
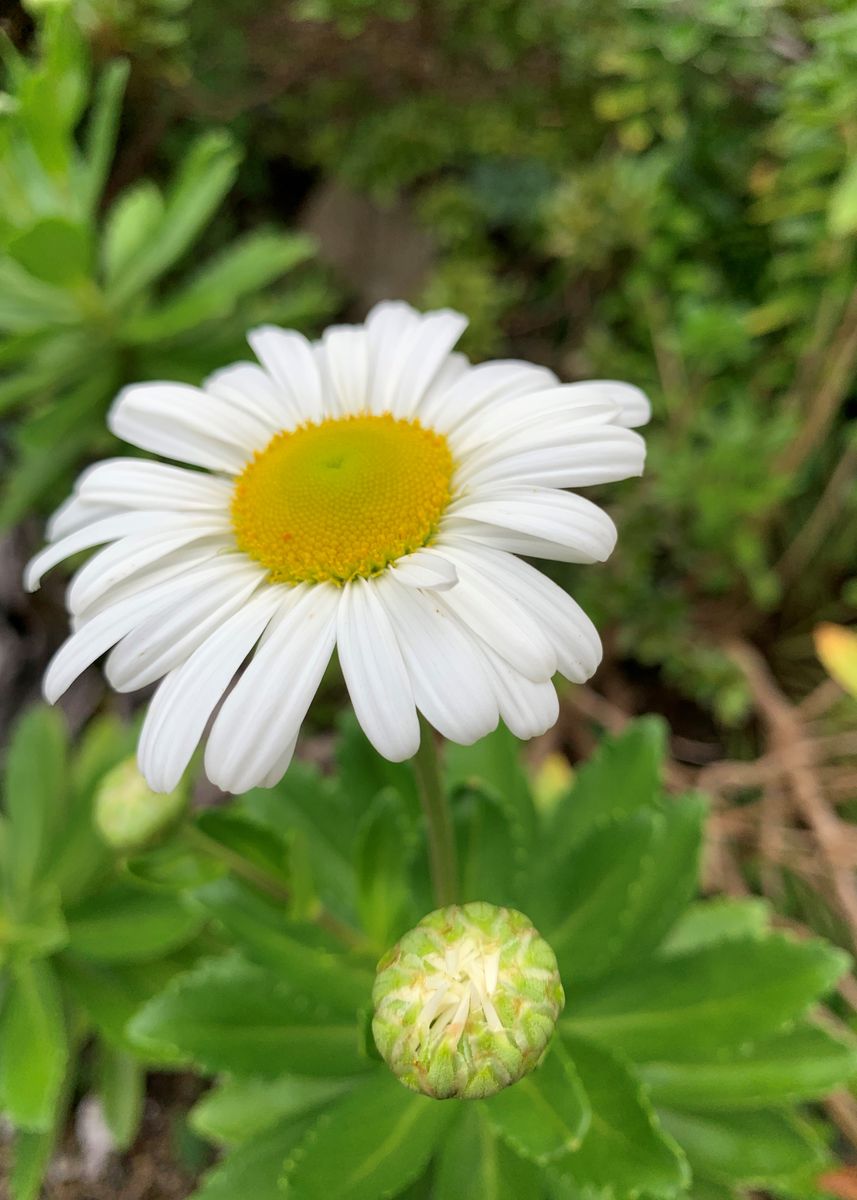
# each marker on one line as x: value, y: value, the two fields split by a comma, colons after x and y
x: 466, y: 1002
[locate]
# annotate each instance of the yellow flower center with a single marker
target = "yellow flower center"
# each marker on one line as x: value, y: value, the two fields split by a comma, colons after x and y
x: 343, y: 498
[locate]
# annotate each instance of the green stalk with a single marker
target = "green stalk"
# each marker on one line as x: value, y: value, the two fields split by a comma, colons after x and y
x: 441, y: 837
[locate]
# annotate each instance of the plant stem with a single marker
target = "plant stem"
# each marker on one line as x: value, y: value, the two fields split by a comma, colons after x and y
x: 441, y: 838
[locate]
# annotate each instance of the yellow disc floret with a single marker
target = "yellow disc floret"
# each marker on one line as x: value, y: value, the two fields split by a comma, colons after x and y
x: 342, y: 498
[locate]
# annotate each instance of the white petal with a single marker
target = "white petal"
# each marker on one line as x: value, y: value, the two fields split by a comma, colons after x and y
x: 96, y: 636
x: 186, y: 698
x: 74, y: 514
x: 126, y: 483
x: 105, y: 530
x: 122, y: 562
x: 549, y: 523
x: 375, y: 673
x: 571, y: 633
x: 280, y: 767
x: 425, y: 569
x: 562, y: 407
x: 187, y: 424
x: 163, y: 642
x: 633, y: 404
x: 344, y: 356
x: 528, y: 708
x: 289, y: 360
x: 594, y: 454
x: 262, y: 715
x: 498, y: 619
x: 407, y: 354
x: 246, y: 386
x: 454, y: 368
x: 449, y: 681
x: 482, y: 386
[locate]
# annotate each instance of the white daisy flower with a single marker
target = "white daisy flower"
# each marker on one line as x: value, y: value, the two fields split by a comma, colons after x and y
x: 366, y: 493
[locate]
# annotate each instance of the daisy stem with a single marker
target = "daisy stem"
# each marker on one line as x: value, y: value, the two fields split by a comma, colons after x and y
x: 441, y: 837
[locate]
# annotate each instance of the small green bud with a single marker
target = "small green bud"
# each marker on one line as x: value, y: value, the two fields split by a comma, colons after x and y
x: 128, y: 814
x: 466, y: 1003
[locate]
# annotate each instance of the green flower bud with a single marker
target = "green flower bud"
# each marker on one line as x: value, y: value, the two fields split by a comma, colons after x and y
x: 466, y: 1002
x: 128, y: 814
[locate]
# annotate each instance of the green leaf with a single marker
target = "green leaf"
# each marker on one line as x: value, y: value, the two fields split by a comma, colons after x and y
x: 35, y: 1046
x: 207, y: 173
x: 122, y: 1091
x: 228, y: 1015
x: 35, y: 793
x: 110, y: 995
x: 545, y: 1114
x: 238, y: 1109
x: 842, y: 205
x: 254, y: 1169
x: 130, y: 225
x: 363, y: 773
x: 373, y: 1142
x: 624, y: 1149
x: 623, y: 776
x: 803, y: 1063
x: 755, y: 1147
x: 473, y: 1161
x: 699, y: 1004
x: 248, y: 839
x: 101, y: 132
x: 54, y: 250
x: 492, y: 847
x: 246, y: 266
x: 32, y: 1154
x: 494, y: 763
x: 711, y: 921
x: 28, y: 303
x: 124, y: 923
x: 297, y: 953
x: 384, y: 848
x: 617, y: 894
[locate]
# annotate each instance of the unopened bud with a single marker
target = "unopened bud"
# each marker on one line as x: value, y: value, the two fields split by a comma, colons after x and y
x: 128, y: 814
x: 466, y: 1002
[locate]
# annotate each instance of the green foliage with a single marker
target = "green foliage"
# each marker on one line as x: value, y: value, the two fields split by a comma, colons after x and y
x: 682, y: 1017
x: 76, y: 941
x: 90, y: 302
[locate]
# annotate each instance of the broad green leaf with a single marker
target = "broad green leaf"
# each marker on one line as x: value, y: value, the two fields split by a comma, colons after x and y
x: 238, y: 1109
x: 110, y: 994
x: 710, y: 921
x: 473, y: 1161
x: 842, y: 204
x: 247, y: 265
x: 306, y: 803
x: 130, y: 224
x: 616, y: 895
x: 175, y: 867
x: 35, y: 1046
x: 54, y: 250
x: 299, y: 954
x: 701, y: 1003
x: 207, y: 173
x: 228, y: 1015
x: 253, y: 1171
x: 623, y: 776
x: 383, y: 850
x: 124, y: 923
x: 624, y: 1149
x: 494, y: 762
x: 373, y: 1142
x: 248, y: 839
x: 756, y: 1147
x: 491, y: 847
x: 28, y: 304
x: 102, y: 128
x: 836, y: 646
x: 32, y: 1153
x: 803, y: 1063
x: 545, y: 1114
x: 122, y: 1091
x: 363, y: 773
x: 34, y: 794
